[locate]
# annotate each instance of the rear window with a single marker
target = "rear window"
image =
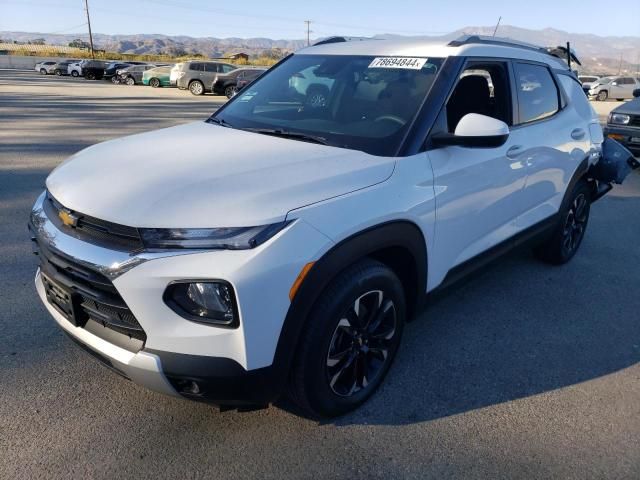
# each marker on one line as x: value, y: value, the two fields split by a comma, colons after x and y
x: 198, y: 67
x: 538, y: 96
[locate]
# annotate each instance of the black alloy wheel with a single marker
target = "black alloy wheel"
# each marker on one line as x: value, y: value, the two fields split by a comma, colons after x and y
x: 361, y: 343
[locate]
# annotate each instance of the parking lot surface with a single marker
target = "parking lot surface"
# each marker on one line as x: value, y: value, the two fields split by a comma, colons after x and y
x: 524, y: 371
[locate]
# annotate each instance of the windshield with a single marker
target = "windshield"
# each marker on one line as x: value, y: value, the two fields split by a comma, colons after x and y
x: 358, y: 102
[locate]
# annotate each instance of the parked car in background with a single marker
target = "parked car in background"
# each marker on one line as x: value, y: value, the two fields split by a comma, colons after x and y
x: 133, y: 75
x: 75, y: 68
x: 623, y: 124
x: 93, y: 69
x: 198, y: 76
x: 111, y: 69
x: 45, y: 68
x: 248, y: 76
x: 620, y: 88
x: 157, y: 77
x: 62, y: 68
x: 587, y: 81
x: 225, y: 83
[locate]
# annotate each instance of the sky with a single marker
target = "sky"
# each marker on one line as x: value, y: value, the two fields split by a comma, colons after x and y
x: 285, y: 19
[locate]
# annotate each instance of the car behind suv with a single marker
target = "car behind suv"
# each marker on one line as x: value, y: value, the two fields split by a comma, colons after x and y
x: 620, y: 88
x: 226, y: 83
x: 623, y: 124
x: 198, y: 76
x: 282, y: 245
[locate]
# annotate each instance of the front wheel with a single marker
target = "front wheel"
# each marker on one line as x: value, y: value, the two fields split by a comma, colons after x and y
x: 154, y: 82
x: 351, y: 338
x: 74, y: 73
x: 196, y: 87
x: 570, y: 229
x: 130, y: 81
x: 43, y: 71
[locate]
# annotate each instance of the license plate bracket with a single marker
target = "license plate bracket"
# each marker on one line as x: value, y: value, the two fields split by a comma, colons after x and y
x: 62, y: 299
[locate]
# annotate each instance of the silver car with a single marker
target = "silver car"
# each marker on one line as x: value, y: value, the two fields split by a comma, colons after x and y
x: 45, y: 68
x: 620, y: 88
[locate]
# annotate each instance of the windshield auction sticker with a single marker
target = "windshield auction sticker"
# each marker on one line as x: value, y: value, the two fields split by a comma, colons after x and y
x: 398, y: 62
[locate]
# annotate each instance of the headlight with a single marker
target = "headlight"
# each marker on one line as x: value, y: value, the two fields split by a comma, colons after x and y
x: 619, y: 119
x: 203, y: 301
x: 238, y: 238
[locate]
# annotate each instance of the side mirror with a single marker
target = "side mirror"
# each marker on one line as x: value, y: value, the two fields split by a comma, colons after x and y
x: 636, y: 93
x: 475, y: 131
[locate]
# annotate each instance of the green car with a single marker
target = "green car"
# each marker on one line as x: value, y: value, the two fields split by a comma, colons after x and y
x: 157, y: 77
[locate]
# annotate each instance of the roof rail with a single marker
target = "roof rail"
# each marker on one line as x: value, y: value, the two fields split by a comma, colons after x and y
x: 558, y: 52
x: 338, y: 39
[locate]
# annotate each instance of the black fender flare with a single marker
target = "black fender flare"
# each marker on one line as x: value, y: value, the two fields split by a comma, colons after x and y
x: 401, y: 234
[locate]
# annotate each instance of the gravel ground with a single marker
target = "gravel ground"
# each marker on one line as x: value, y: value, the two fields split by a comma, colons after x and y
x: 525, y: 371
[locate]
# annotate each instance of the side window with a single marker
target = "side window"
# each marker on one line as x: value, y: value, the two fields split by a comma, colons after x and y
x: 226, y: 68
x: 196, y: 67
x: 482, y: 88
x: 211, y: 67
x: 537, y: 92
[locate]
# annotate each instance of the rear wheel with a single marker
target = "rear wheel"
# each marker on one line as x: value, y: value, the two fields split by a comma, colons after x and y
x: 572, y: 225
x: 115, y: 80
x: 351, y: 338
x: 43, y: 71
x: 229, y: 91
x: 90, y: 76
x: 196, y: 87
x: 130, y: 81
x: 154, y: 82
x: 602, y: 96
x: 58, y: 72
x: 74, y: 73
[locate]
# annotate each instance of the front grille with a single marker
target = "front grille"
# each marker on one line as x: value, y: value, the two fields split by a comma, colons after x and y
x: 93, y: 230
x: 635, y: 121
x: 95, y: 297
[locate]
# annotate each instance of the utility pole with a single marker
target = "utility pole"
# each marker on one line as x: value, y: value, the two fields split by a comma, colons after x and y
x: 86, y: 8
x: 497, y: 25
x: 308, y: 23
x: 620, y: 65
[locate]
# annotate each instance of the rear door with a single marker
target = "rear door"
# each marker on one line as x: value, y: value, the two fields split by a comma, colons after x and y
x: 210, y: 73
x: 551, y: 138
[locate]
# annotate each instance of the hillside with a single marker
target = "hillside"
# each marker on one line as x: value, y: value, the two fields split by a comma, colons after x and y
x: 598, y: 54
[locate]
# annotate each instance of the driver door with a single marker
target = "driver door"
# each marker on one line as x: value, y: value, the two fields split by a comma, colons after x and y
x: 478, y: 190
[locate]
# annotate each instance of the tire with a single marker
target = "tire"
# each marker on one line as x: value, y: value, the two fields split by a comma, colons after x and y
x: 58, y: 72
x: 196, y: 87
x: 74, y: 74
x: 115, y: 80
x: 90, y: 76
x: 154, y: 82
x: 130, y: 81
x: 620, y: 99
x: 568, y: 234
x: 335, y: 353
x: 317, y: 96
x: 229, y: 91
x: 43, y: 71
x: 602, y: 96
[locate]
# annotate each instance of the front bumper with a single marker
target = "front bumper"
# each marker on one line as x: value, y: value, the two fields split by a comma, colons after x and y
x: 624, y: 135
x: 228, y: 366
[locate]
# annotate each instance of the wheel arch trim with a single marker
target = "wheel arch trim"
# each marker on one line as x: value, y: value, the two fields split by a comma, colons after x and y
x: 401, y: 234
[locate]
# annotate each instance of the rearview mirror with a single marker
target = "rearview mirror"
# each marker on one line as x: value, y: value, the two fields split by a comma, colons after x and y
x: 475, y: 131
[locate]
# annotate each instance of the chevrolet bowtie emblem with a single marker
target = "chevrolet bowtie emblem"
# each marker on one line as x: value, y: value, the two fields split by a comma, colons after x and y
x: 68, y: 218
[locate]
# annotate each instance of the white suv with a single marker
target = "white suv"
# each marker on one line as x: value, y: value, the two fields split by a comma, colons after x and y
x: 281, y: 245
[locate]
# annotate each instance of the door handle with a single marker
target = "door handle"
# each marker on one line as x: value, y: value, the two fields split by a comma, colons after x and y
x: 515, y: 151
x: 578, y: 134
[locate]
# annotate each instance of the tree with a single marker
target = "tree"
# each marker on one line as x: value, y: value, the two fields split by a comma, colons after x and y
x: 37, y: 41
x: 77, y: 43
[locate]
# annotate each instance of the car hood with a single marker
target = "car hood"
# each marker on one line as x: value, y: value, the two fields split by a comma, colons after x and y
x: 205, y: 175
x: 629, y: 108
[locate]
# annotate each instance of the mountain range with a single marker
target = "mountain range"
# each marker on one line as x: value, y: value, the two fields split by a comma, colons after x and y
x: 598, y: 54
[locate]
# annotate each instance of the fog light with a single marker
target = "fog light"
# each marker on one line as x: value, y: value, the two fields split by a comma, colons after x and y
x: 206, y: 302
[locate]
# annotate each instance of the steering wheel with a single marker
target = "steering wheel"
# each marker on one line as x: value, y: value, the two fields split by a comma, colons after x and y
x: 391, y: 118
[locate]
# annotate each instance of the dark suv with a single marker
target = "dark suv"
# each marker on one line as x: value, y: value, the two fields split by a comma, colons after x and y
x: 227, y: 83
x: 198, y: 76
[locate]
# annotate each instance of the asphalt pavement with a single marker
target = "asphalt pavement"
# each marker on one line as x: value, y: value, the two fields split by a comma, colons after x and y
x: 524, y: 371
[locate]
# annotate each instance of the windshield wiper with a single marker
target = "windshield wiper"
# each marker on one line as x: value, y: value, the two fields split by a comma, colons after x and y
x: 219, y: 121
x: 293, y: 135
